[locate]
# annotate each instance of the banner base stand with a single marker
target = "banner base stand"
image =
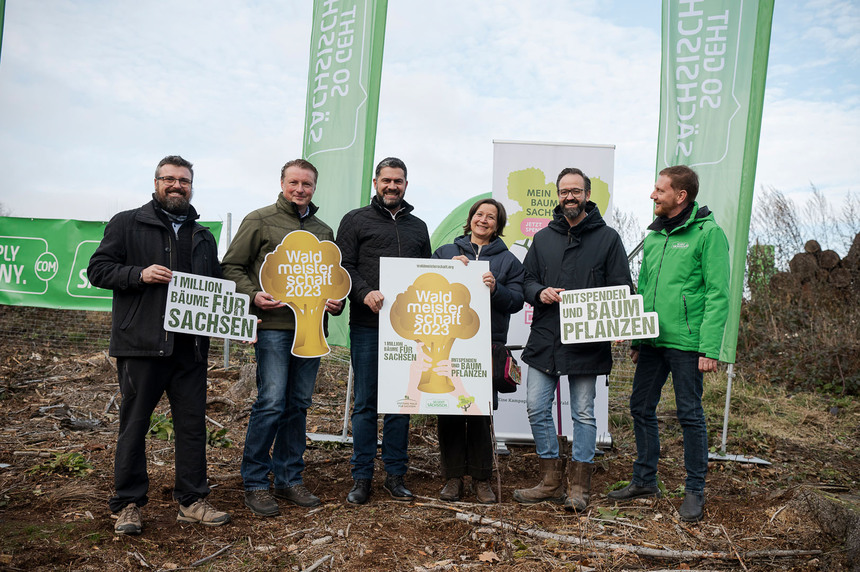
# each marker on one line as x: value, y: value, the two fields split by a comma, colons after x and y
x: 323, y: 437
x: 722, y: 456
x: 737, y: 458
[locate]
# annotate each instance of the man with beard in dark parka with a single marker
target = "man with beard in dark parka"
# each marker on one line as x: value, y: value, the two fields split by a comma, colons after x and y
x: 136, y: 259
x: 577, y: 250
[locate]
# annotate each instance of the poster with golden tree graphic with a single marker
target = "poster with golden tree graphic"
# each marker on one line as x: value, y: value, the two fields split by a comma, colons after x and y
x: 303, y: 272
x: 434, y: 337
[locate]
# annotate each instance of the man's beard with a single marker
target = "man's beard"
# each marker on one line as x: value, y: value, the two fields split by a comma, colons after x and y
x: 174, y: 204
x: 572, y: 210
x: 391, y: 201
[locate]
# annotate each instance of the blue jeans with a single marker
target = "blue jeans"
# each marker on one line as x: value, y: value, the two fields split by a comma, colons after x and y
x: 652, y: 369
x: 540, y: 394
x: 395, y: 428
x: 285, y: 385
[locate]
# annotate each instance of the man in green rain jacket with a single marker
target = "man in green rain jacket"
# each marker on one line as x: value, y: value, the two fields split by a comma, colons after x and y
x: 685, y: 279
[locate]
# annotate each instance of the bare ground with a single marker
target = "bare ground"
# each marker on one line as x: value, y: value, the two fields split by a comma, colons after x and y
x: 55, y: 521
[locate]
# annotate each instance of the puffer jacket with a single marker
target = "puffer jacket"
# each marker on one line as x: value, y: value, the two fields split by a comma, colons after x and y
x: 588, y: 255
x: 507, y: 298
x: 260, y: 233
x: 685, y: 279
x: 365, y: 234
x: 134, y: 240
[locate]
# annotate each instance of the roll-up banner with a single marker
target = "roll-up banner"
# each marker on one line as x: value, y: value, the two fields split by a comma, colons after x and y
x: 524, y: 175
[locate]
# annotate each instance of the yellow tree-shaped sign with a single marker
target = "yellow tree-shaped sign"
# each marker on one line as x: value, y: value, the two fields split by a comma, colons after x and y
x: 435, y: 312
x: 304, y: 272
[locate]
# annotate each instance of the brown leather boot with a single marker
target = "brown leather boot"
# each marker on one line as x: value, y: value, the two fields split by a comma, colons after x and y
x: 484, y: 491
x: 579, y: 489
x: 551, y: 486
x: 453, y: 490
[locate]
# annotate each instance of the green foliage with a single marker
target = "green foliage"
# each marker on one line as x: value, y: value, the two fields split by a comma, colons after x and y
x: 161, y: 427
x: 96, y: 537
x: 521, y: 550
x: 610, y: 513
x: 71, y: 464
x: 617, y: 485
x: 421, y: 420
x: 218, y: 438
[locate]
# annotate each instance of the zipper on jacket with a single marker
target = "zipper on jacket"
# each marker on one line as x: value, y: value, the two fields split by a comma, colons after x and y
x: 686, y: 317
x: 397, y: 233
x: 657, y: 279
x: 473, y: 250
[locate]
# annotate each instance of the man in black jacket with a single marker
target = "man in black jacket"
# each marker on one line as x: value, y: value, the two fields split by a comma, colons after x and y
x: 136, y: 259
x: 577, y: 250
x: 385, y: 227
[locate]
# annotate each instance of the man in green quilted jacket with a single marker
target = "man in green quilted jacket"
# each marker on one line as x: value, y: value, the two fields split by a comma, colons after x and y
x: 685, y: 279
x: 275, y: 440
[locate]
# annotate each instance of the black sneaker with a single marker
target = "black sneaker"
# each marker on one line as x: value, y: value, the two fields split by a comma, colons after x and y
x: 692, y: 509
x: 262, y: 503
x: 298, y: 494
x: 632, y: 491
x: 397, y: 489
x: 360, y: 492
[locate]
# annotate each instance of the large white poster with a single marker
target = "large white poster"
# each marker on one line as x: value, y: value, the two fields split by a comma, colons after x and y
x: 434, y: 337
x: 524, y: 175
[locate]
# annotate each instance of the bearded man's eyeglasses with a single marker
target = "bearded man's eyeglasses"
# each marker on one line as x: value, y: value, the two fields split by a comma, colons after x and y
x: 170, y: 181
x: 575, y: 192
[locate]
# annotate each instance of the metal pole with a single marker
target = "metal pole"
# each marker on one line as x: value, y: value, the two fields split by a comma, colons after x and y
x: 227, y: 341
x: 730, y: 371
x: 346, y: 405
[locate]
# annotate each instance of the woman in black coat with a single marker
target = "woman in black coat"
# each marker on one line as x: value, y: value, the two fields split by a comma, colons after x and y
x: 465, y: 442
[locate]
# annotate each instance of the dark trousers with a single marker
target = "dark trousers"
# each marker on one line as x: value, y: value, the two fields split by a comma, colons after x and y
x: 652, y: 370
x: 142, y: 382
x: 395, y: 427
x: 465, y: 446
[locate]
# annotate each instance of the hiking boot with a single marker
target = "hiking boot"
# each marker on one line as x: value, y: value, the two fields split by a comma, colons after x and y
x: 262, y: 503
x: 579, y: 489
x: 203, y: 513
x: 692, y: 508
x: 298, y: 494
x: 397, y: 488
x: 551, y: 486
x: 484, y: 492
x: 632, y: 491
x: 128, y: 520
x: 360, y: 492
x: 453, y: 490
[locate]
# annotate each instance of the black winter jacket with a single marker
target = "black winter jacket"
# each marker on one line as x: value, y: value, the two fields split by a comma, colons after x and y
x: 507, y: 298
x: 134, y: 240
x: 368, y: 233
x: 588, y: 255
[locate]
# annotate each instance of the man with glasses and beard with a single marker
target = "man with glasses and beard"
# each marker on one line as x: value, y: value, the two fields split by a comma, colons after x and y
x: 576, y: 250
x: 136, y: 259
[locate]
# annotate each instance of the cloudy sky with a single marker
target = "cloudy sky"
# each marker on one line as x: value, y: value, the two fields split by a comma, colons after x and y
x: 94, y: 92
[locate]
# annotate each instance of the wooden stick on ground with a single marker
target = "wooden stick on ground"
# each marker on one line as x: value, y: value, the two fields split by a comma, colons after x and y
x: 211, y: 556
x: 633, y: 549
x: 735, y: 548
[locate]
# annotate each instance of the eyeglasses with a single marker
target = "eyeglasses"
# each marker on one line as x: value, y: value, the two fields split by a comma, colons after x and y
x: 169, y: 181
x: 575, y: 192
